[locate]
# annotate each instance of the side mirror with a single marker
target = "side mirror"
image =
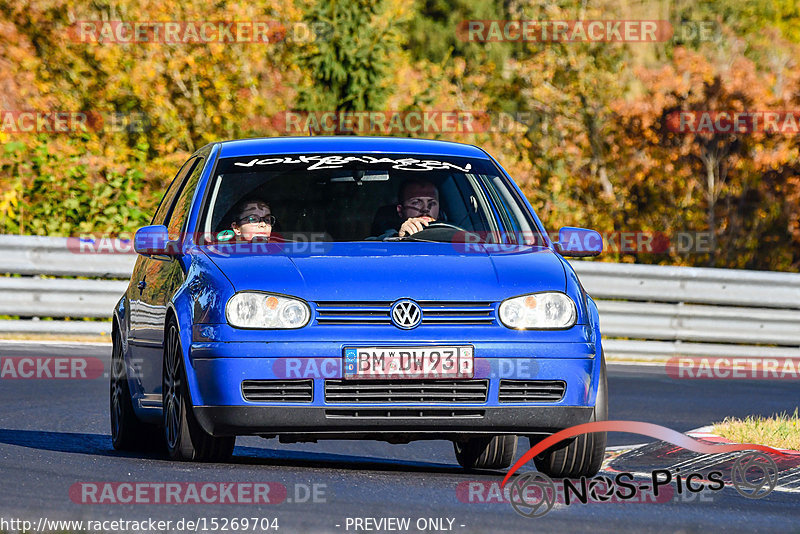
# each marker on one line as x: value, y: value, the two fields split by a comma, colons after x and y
x: 578, y: 242
x: 154, y: 241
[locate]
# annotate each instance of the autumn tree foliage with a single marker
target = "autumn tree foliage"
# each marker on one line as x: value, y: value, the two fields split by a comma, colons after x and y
x: 351, y: 69
x: 728, y: 183
x: 586, y: 128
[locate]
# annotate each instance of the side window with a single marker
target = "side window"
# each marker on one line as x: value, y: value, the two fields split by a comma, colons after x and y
x: 465, y: 209
x: 166, y: 203
x: 177, y: 220
x: 510, y: 225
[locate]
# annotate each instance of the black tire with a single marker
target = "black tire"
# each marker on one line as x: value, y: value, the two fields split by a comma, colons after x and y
x: 185, y: 438
x: 583, y: 455
x: 489, y: 452
x: 128, y: 433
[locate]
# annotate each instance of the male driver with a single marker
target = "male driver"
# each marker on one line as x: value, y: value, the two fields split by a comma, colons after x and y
x: 252, y: 218
x: 419, y: 206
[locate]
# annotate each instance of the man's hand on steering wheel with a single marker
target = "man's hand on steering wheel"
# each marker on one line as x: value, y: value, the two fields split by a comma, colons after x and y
x: 414, y: 225
x: 419, y: 224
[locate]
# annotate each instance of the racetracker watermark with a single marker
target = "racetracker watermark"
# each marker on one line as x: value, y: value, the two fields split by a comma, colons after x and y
x: 378, y: 122
x: 731, y: 368
x: 198, y: 32
x: 628, y: 242
x: 303, y: 368
x: 71, y: 122
x: 223, y: 242
x: 257, y: 493
x: 383, y: 122
x: 50, y: 368
x: 141, y: 525
x: 734, y: 122
x: 565, y: 31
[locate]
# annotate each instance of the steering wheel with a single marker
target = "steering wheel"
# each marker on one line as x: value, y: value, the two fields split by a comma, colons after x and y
x: 441, y: 224
x: 437, y: 231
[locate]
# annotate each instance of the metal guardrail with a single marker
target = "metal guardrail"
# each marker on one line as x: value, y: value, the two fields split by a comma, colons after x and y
x: 53, y: 297
x: 645, y: 311
x: 691, y: 311
x: 59, y: 256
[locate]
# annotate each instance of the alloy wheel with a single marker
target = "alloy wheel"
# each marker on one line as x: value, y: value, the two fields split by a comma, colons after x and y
x: 172, y: 390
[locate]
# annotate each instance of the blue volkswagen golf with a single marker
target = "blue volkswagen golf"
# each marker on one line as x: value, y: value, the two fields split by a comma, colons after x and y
x: 356, y: 288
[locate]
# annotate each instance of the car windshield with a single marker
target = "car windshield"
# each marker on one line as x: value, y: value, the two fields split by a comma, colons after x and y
x: 358, y: 197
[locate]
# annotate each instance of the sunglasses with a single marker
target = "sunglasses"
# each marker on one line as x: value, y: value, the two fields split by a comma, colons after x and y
x: 269, y: 220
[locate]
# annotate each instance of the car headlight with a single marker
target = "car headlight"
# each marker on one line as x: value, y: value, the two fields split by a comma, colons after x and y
x: 538, y: 310
x: 263, y: 310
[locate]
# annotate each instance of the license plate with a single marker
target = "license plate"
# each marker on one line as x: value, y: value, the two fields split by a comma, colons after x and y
x: 408, y: 362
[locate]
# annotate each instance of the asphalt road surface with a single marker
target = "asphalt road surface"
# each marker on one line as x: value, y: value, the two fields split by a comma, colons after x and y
x: 55, y: 451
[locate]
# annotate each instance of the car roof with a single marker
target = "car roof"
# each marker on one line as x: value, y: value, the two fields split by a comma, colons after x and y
x: 346, y: 144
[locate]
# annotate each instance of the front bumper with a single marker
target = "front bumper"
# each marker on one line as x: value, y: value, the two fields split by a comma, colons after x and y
x: 362, y: 421
x: 217, y: 370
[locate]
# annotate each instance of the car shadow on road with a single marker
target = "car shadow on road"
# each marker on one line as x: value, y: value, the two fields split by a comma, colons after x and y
x: 72, y: 442
x: 284, y: 458
x: 100, y: 445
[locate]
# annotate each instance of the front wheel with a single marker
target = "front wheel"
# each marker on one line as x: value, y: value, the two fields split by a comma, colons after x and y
x: 583, y: 455
x: 489, y: 452
x: 186, y: 439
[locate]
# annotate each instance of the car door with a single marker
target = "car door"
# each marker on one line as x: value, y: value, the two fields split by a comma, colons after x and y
x: 148, y: 300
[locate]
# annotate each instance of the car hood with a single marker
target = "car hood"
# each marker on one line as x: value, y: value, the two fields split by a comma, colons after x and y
x: 389, y: 271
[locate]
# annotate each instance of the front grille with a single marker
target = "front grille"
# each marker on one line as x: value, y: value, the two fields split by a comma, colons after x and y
x: 433, y: 312
x: 278, y: 390
x: 531, y: 390
x: 404, y: 413
x: 427, y: 391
